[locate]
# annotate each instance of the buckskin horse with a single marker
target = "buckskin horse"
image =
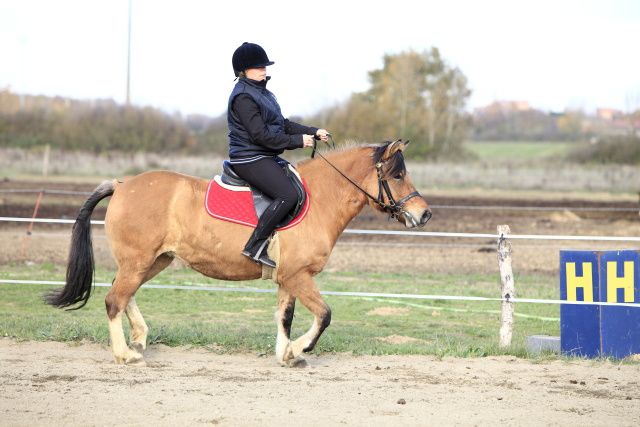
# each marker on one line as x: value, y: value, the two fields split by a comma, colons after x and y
x: 157, y: 216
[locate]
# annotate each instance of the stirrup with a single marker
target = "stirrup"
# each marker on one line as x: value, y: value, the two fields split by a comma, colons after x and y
x: 261, y: 256
x: 264, y: 259
x: 260, y: 259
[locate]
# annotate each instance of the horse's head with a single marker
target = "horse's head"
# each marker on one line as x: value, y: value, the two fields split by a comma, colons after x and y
x: 396, y: 194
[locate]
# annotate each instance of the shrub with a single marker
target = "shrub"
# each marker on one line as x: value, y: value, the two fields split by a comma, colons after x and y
x: 613, y: 149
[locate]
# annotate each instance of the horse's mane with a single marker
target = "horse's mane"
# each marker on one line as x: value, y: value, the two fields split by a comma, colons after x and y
x: 395, y: 165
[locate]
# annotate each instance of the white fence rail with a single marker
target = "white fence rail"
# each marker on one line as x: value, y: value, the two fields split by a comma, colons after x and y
x: 204, y: 287
x: 396, y: 233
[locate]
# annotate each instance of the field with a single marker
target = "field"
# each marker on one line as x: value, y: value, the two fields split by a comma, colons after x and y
x: 498, y: 166
x: 521, y: 152
x: 382, y: 361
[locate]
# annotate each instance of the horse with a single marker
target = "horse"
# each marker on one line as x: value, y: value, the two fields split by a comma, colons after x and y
x: 157, y: 216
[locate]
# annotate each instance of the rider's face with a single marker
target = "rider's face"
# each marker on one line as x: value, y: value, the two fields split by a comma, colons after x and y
x: 257, y: 74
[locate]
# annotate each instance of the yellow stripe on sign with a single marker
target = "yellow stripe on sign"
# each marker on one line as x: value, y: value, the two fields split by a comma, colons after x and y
x: 585, y: 281
x: 625, y: 282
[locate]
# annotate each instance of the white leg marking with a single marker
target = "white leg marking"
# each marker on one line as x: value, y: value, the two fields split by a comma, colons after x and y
x: 121, y: 353
x: 283, y: 344
x: 303, y: 342
x: 139, y: 328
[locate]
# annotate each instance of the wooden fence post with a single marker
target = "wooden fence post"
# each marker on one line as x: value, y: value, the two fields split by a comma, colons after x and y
x: 508, y: 285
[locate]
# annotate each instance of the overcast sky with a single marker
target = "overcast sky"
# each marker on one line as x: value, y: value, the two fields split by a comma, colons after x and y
x: 555, y: 54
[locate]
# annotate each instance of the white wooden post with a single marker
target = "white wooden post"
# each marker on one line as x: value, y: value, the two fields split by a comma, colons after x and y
x: 508, y: 285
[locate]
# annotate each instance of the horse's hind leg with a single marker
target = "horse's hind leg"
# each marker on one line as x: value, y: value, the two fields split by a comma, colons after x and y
x: 284, y: 317
x: 128, y: 279
x: 116, y: 301
x: 310, y: 297
x: 139, y: 328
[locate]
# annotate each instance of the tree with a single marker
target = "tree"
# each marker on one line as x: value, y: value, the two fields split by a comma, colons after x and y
x: 96, y: 125
x: 415, y: 96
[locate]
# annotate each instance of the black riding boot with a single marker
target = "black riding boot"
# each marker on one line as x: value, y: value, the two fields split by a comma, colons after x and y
x: 256, y: 247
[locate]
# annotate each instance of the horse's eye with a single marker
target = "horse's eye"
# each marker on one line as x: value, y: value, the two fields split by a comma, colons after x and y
x: 398, y: 177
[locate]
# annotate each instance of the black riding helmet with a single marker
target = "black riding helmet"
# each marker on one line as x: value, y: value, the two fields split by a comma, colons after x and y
x: 249, y: 55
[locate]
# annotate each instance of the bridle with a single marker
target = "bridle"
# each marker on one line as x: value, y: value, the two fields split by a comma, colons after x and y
x: 395, y: 208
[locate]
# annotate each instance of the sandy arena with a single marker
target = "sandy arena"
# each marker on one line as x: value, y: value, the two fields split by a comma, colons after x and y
x: 49, y: 383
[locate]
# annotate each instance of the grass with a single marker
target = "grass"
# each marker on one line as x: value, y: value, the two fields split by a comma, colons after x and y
x: 519, y: 151
x: 504, y: 166
x: 240, y: 322
x: 538, y: 167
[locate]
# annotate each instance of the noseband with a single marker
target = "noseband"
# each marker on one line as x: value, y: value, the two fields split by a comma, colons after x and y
x: 394, y: 208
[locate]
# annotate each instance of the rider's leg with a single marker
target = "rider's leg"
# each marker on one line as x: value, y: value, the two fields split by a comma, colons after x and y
x: 267, y: 176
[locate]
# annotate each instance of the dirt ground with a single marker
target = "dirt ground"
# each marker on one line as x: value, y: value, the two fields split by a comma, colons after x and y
x: 49, y: 383
x: 598, y: 214
x: 375, y: 253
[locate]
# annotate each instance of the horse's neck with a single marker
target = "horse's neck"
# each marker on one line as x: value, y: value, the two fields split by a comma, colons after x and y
x: 338, y: 200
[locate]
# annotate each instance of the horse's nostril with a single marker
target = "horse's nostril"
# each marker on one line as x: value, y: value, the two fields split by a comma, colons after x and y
x: 426, y: 216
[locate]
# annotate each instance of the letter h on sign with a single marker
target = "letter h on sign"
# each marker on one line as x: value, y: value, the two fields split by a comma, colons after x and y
x: 584, y: 282
x: 600, y: 276
x: 624, y: 283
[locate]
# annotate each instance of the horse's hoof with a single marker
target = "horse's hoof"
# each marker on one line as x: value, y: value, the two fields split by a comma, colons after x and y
x: 288, y: 353
x: 130, y: 358
x: 137, y: 362
x: 297, y: 362
x: 137, y: 347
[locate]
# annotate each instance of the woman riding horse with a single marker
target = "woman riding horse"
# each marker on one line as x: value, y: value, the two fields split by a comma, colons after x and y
x: 158, y: 216
x: 258, y: 133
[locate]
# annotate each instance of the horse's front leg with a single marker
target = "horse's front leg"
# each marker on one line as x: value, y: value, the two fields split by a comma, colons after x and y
x: 284, y: 318
x: 309, y: 296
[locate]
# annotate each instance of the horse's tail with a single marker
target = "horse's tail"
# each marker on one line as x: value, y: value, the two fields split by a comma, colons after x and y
x: 80, y: 266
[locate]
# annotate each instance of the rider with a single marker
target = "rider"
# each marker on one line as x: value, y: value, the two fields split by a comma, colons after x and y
x: 258, y: 133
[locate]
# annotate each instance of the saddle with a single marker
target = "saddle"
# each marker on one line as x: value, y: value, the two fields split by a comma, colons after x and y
x: 230, y: 198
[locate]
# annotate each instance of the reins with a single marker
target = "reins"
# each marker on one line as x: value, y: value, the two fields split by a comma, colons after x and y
x: 394, y: 208
x: 315, y: 144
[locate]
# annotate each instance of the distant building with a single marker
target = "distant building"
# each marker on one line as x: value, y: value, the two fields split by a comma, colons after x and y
x: 608, y: 114
x: 503, y: 107
x: 519, y: 105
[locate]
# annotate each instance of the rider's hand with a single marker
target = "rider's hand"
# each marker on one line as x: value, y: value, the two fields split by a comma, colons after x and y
x: 322, y: 134
x: 307, y: 140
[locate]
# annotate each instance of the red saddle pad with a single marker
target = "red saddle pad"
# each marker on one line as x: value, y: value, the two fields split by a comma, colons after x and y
x: 235, y: 204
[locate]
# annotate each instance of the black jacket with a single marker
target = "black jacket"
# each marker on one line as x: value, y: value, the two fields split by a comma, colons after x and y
x: 256, y: 125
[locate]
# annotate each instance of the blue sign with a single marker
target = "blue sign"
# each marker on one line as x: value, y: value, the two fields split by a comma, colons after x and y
x: 600, y: 276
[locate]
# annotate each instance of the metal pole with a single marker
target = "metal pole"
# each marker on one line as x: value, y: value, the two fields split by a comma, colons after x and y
x: 129, y: 58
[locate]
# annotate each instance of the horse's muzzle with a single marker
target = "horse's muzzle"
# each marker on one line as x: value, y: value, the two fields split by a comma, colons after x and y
x: 412, y: 221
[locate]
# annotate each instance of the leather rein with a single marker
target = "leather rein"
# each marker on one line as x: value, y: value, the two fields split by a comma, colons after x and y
x: 395, y: 208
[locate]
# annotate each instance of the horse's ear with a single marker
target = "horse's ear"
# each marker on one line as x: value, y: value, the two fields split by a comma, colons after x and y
x: 395, y: 146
